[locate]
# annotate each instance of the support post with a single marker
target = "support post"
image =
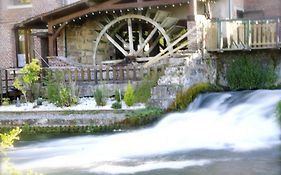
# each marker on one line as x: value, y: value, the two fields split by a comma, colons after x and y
x: 51, y: 40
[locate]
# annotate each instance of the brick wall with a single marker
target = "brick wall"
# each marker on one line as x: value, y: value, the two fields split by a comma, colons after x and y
x: 262, y: 8
x: 9, y: 16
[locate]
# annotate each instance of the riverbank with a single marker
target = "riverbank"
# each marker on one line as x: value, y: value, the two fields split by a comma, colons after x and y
x: 87, y: 121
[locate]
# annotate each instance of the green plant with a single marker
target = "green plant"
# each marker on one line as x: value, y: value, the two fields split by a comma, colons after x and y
x: 99, y: 97
x: 244, y: 73
x: 29, y: 75
x: 117, y: 96
x: 143, y: 92
x: 129, y: 95
x: 65, y: 98
x: 116, y: 105
x: 8, y: 139
x: 5, y: 101
x: 58, y: 91
x: 185, y: 97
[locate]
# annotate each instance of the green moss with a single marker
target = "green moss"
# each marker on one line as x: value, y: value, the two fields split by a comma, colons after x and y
x: 185, y: 97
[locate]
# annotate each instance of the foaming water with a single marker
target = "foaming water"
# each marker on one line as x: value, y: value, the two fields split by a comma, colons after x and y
x: 237, y: 122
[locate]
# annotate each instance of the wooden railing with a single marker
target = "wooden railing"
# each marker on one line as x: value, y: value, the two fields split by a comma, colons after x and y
x: 243, y: 34
x: 96, y: 74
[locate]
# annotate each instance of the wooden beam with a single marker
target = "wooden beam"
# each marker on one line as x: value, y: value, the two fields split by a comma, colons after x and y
x: 51, y: 40
x: 26, y: 45
x: 149, y: 37
x: 122, y: 40
x: 116, y: 45
x: 113, y: 5
x: 131, y: 41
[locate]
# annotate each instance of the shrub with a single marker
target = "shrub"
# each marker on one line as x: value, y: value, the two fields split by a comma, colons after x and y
x: 7, y: 139
x: 129, y: 95
x: 185, y: 97
x: 116, y: 105
x: 143, y: 92
x: 60, y: 93
x: 117, y: 96
x: 244, y: 73
x: 29, y: 75
x: 99, y: 97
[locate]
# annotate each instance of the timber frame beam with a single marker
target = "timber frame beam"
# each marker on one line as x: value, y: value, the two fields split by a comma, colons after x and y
x: 113, y: 5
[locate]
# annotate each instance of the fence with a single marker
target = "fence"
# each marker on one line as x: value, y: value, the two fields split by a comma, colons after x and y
x: 97, y: 74
x: 243, y: 34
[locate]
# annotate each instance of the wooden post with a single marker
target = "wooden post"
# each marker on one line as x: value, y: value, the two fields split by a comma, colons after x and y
x: 96, y: 74
x: 82, y: 74
x: 101, y: 73
x: 76, y: 74
x: 278, y: 33
x: 141, y: 72
x: 107, y: 73
x: 26, y: 46
x: 121, y: 73
x: 51, y: 40
x: 114, y: 74
x: 1, y: 87
x: 7, y: 82
x: 127, y: 73
x: 69, y: 72
x: 134, y: 73
x: 89, y: 74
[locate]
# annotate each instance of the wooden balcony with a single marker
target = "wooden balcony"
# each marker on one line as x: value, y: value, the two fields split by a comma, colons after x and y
x: 243, y: 34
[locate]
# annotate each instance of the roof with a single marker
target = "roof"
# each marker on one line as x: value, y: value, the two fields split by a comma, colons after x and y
x: 41, y: 21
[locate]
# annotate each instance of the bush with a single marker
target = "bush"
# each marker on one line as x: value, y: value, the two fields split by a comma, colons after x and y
x: 143, y: 92
x: 60, y: 93
x: 29, y: 75
x: 99, y: 97
x: 185, y: 97
x: 129, y: 95
x: 116, y: 105
x: 244, y: 73
x: 117, y: 96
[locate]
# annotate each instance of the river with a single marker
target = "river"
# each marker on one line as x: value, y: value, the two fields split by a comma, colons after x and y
x: 227, y: 133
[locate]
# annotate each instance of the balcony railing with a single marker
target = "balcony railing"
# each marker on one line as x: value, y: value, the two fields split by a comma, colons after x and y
x: 243, y: 34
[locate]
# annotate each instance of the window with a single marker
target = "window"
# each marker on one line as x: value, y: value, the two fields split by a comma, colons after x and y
x: 21, y: 2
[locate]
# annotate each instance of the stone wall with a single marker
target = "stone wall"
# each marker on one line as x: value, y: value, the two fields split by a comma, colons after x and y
x: 184, y: 72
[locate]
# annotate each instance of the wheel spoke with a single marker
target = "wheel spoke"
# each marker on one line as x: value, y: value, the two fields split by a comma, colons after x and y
x: 131, y: 41
x: 122, y: 40
x: 149, y: 37
x: 116, y: 45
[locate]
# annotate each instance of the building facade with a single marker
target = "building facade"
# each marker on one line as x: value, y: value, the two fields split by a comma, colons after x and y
x: 15, y: 11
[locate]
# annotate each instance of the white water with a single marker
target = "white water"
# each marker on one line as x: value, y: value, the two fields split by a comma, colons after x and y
x: 238, y: 122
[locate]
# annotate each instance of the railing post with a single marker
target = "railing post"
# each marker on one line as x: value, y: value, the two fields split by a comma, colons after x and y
x: 249, y: 34
x: 89, y: 74
x: 1, y: 87
x: 7, y: 83
x: 219, y: 26
x: 278, y: 34
x: 96, y: 74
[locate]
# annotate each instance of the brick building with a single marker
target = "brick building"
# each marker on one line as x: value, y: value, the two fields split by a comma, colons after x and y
x: 71, y: 41
x: 262, y: 8
x: 15, y: 11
